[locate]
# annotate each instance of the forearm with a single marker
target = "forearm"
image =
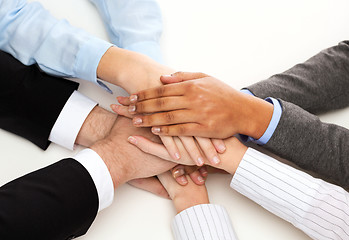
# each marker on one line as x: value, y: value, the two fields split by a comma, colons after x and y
x: 316, y: 207
x: 317, y: 85
x: 29, y: 32
x: 96, y: 126
x: 311, y: 144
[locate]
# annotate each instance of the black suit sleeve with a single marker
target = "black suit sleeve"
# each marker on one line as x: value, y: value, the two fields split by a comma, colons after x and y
x: 56, y: 202
x: 31, y: 100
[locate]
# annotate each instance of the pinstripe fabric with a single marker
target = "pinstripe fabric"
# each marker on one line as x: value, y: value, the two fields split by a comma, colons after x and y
x: 204, y: 221
x: 318, y: 208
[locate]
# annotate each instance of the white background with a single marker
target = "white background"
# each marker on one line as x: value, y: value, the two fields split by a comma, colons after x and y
x: 240, y: 42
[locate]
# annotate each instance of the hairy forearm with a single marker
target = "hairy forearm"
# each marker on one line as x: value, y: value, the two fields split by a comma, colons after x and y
x: 96, y: 126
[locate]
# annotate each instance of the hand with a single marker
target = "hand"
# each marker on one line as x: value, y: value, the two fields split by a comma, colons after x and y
x: 230, y: 159
x: 200, y: 105
x: 124, y: 161
x: 184, y: 197
x: 130, y: 70
x: 196, y: 146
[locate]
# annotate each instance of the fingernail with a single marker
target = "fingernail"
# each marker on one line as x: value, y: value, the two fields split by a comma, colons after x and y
x: 114, y: 107
x: 177, y: 156
x: 155, y: 130
x: 133, y: 98
x: 132, y: 108
x: 221, y: 148
x: 167, y: 75
x: 200, y: 161
x: 179, y: 172
x: 201, y: 179
x: 183, y: 180
x: 203, y: 172
x: 137, y: 120
x: 132, y: 140
x: 215, y: 160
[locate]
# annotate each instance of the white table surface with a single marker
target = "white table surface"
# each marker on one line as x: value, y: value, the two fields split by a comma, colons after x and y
x: 240, y: 42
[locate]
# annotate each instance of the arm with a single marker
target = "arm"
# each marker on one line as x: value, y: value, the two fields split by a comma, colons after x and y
x: 42, y: 108
x: 196, y: 218
x: 318, y: 208
x: 312, y: 144
x: 62, y: 200
x: 317, y: 85
x: 73, y: 52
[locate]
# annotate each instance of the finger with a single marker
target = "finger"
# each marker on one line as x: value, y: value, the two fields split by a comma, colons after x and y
x: 203, y: 171
x: 121, y: 110
x: 208, y: 148
x: 151, y: 184
x: 158, y: 105
x: 197, y: 178
x: 163, y: 91
x: 150, y: 147
x: 193, y: 150
x: 181, y: 170
x: 124, y: 100
x: 165, y: 118
x: 171, y: 147
x: 181, y: 76
x: 219, y: 145
x: 215, y: 170
x: 184, y: 129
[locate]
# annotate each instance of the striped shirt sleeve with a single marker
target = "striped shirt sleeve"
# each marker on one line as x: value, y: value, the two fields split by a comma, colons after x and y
x: 318, y: 208
x: 204, y: 221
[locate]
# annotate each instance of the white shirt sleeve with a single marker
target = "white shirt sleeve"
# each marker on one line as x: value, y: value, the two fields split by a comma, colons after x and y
x: 204, y: 221
x: 318, y: 208
x: 71, y: 119
x: 99, y: 174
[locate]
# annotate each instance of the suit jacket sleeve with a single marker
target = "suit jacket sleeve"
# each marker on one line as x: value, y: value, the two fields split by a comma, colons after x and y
x: 31, y: 101
x: 318, y: 85
x: 56, y: 202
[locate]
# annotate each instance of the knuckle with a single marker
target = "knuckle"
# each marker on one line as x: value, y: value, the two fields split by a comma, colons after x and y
x: 181, y: 130
x: 160, y: 103
x: 160, y: 91
x: 169, y: 117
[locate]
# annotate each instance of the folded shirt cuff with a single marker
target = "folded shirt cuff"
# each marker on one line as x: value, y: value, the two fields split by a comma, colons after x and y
x: 274, y: 122
x: 204, y: 221
x: 88, y: 58
x: 99, y: 174
x: 70, y: 120
x: 148, y: 48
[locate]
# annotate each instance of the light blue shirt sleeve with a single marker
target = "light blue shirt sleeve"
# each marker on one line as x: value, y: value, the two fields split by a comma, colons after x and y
x: 134, y: 25
x: 275, y: 119
x: 32, y: 35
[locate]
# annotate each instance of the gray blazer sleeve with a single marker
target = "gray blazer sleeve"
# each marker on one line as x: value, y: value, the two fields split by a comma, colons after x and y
x: 320, y: 84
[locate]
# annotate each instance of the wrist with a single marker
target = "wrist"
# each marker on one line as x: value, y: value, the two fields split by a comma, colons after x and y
x: 130, y: 70
x: 106, y: 150
x: 96, y: 126
x: 257, y: 118
x: 187, y: 200
x: 231, y: 158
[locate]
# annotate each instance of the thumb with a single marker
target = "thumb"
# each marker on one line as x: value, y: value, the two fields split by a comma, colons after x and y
x: 181, y: 76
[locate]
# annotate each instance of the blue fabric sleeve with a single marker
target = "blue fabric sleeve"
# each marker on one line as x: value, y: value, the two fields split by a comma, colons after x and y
x: 275, y: 119
x: 32, y: 35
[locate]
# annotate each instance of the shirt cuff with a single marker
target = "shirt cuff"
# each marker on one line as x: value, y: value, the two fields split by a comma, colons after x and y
x: 204, y: 221
x: 99, y: 174
x: 88, y: 58
x: 274, y: 122
x: 70, y: 120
